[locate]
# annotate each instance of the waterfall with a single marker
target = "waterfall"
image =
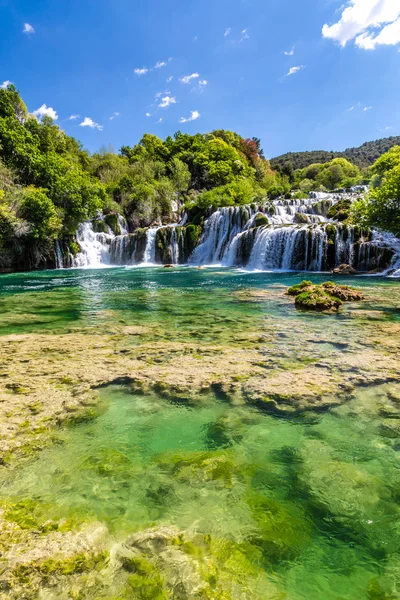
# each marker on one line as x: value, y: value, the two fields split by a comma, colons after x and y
x: 287, y: 248
x: 282, y: 234
x: 149, y: 257
x: 94, y: 247
x: 58, y: 255
x: 122, y: 225
x: 219, y: 230
x: 174, y: 246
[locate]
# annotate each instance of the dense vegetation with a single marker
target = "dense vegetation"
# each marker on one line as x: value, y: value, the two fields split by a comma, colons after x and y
x: 381, y: 207
x: 49, y: 184
x: 363, y: 156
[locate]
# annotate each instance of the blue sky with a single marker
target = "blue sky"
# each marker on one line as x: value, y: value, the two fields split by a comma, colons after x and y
x: 79, y: 58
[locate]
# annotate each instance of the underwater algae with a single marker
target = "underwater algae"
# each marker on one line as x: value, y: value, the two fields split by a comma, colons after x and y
x: 199, y: 437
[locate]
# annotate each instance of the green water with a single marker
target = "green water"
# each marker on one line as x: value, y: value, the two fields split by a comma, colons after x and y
x: 312, y: 501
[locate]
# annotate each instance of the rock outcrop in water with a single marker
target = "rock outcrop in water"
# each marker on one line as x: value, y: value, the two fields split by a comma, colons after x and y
x: 325, y: 297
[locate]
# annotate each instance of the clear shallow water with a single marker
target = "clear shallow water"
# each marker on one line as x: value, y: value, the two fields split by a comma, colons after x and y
x: 312, y: 500
x: 316, y: 496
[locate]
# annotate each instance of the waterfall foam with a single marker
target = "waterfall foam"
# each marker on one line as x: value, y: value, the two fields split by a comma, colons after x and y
x: 94, y: 247
x: 149, y: 257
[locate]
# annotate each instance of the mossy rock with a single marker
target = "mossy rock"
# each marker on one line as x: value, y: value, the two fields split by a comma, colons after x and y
x: 343, y: 292
x: 317, y: 300
x: 99, y: 226
x: 260, y: 220
x: 325, y: 297
x: 339, y: 211
x: 301, y: 218
x: 298, y: 288
x: 112, y: 221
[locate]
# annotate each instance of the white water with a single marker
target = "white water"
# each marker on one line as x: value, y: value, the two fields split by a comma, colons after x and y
x: 58, y: 255
x: 95, y: 247
x: 149, y: 257
x: 122, y: 225
x: 230, y: 238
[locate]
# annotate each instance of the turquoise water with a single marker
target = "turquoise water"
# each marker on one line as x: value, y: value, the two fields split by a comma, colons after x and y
x: 312, y: 501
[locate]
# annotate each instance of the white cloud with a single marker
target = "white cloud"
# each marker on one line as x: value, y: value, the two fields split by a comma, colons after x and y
x: 294, y: 70
x: 289, y: 52
x: 28, y: 29
x: 188, y: 78
x: 170, y: 78
x: 45, y: 111
x: 203, y: 82
x: 159, y: 94
x: 116, y: 114
x: 167, y: 101
x: 148, y: 114
x: 245, y: 35
x: 359, y: 106
x: 368, y: 22
x: 87, y: 122
x: 160, y: 64
x: 73, y: 117
x: 141, y: 72
x: 387, y: 128
x: 159, y: 121
x: 227, y: 31
x: 5, y: 84
x: 193, y: 116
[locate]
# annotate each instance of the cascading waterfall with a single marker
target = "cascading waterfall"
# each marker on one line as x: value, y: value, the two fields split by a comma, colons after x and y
x: 58, y: 255
x: 287, y: 248
x: 287, y: 234
x: 149, y: 257
x: 220, y: 229
x: 94, y: 247
x: 283, y: 234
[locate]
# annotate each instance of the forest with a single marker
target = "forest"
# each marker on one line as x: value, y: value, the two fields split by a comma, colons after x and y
x: 363, y: 156
x: 49, y: 184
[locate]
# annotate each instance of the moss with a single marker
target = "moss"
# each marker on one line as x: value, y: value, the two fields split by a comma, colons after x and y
x: 79, y: 563
x: 331, y: 233
x: 31, y: 515
x: 198, y: 467
x: 317, y: 300
x: 282, y: 529
x: 74, y: 248
x: 340, y: 211
x: 99, y: 226
x: 112, y: 221
x: 327, y: 296
x: 35, y: 407
x: 146, y: 582
x: 83, y: 415
x: 260, y: 220
x: 301, y: 218
x: 299, y: 287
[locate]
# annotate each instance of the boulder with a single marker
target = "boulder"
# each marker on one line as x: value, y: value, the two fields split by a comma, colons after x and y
x: 345, y: 270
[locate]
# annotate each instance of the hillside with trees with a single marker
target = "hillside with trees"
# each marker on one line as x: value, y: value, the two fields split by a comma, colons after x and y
x: 363, y: 156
